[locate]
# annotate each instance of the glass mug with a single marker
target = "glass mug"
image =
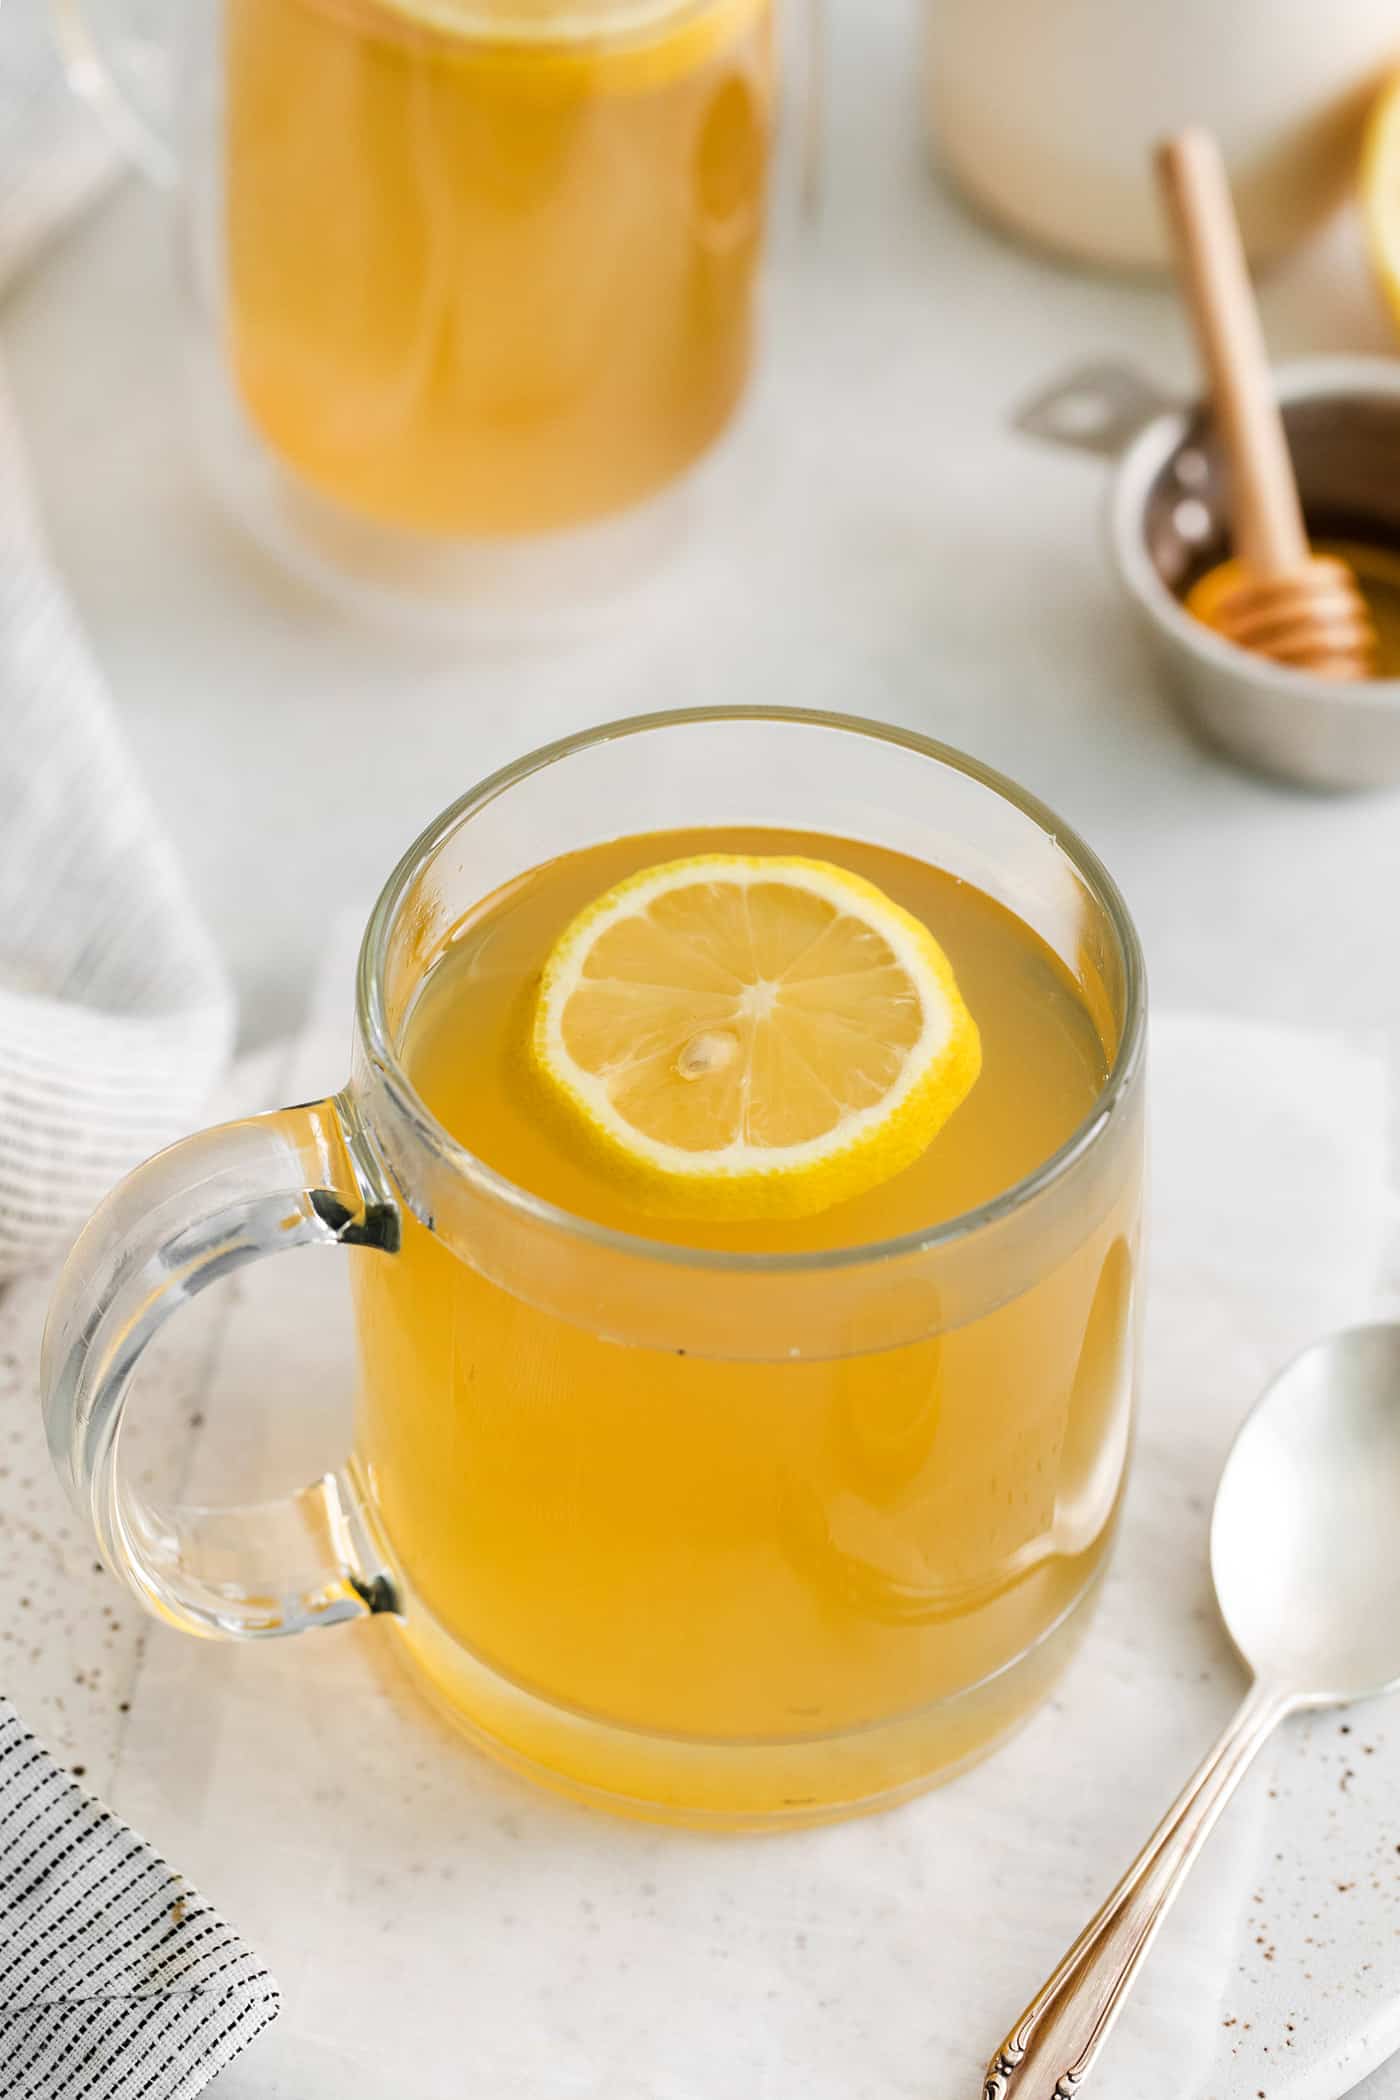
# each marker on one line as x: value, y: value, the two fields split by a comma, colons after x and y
x: 617, y: 1496
x: 477, y: 280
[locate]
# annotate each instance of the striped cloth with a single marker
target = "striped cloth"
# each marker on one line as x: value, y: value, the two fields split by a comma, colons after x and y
x: 115, y: 1016
x: 116, y: 1978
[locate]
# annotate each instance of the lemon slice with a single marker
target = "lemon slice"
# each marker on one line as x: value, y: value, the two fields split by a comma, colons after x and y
x: 742, y: 1037
x: 1380, y: 191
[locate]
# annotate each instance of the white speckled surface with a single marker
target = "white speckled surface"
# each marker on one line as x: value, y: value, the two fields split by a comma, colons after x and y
x: 915, y: 562
x: 430, y: 1917
x: 1315, y: 1998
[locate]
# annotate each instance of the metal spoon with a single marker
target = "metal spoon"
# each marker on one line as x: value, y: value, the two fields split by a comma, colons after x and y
x: 1305, y: 1554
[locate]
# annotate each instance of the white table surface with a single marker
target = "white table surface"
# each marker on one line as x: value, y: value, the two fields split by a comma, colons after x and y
x: 916, y: 561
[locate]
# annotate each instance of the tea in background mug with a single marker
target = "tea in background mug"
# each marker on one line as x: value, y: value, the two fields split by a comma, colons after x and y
x: 696, y: 1529
x: 473, y: 275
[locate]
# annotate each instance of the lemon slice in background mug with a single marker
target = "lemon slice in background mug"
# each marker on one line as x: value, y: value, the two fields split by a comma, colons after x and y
x: 598, y: 47
x: 1380, y: 191
x: 741, y: 1037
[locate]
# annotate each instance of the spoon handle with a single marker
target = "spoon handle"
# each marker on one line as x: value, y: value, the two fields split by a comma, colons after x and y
x: 1053, y: 2044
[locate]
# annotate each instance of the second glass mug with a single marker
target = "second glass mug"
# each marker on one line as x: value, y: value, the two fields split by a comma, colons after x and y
x: 623, y: 1498
x: 476, y: 281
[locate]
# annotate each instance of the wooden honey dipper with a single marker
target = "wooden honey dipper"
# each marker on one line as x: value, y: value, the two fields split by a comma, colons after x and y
x: 1277, y: 598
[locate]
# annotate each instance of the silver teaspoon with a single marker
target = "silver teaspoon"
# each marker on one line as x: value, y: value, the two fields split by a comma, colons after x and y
x: 1305, y: 1554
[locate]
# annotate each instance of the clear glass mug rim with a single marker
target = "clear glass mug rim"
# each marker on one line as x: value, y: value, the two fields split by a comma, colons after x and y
x: 371, y: 1019
x: 572, y: 24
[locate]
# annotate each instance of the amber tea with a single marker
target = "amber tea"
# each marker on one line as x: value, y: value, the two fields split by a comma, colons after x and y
x: 714, y: 1550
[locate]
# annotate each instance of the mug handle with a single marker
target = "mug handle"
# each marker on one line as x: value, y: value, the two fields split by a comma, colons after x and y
x: 299, y: 1177
x: 124, y: 72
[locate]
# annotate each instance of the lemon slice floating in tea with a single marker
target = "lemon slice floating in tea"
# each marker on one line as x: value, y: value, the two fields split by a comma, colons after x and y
x: 744, y: 1037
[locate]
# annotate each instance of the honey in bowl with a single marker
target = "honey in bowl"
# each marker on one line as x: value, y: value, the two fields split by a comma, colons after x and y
x: 1376, y: 570
x: 491, y: 268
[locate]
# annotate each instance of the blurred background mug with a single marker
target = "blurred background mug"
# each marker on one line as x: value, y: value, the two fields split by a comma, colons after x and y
x: 1045, y: 112
x: 473, y: 276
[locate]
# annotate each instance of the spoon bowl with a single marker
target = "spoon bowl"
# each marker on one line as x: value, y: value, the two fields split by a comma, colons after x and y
x: 1305, y: 1541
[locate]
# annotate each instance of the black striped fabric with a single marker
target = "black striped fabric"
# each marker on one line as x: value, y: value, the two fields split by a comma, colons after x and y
x: 117, y: 1981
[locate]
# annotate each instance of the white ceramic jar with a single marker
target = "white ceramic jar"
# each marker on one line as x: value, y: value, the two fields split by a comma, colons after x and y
x: 1045, y: 111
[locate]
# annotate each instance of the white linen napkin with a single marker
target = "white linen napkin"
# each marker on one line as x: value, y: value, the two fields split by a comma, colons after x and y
x: 115, y: 1016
